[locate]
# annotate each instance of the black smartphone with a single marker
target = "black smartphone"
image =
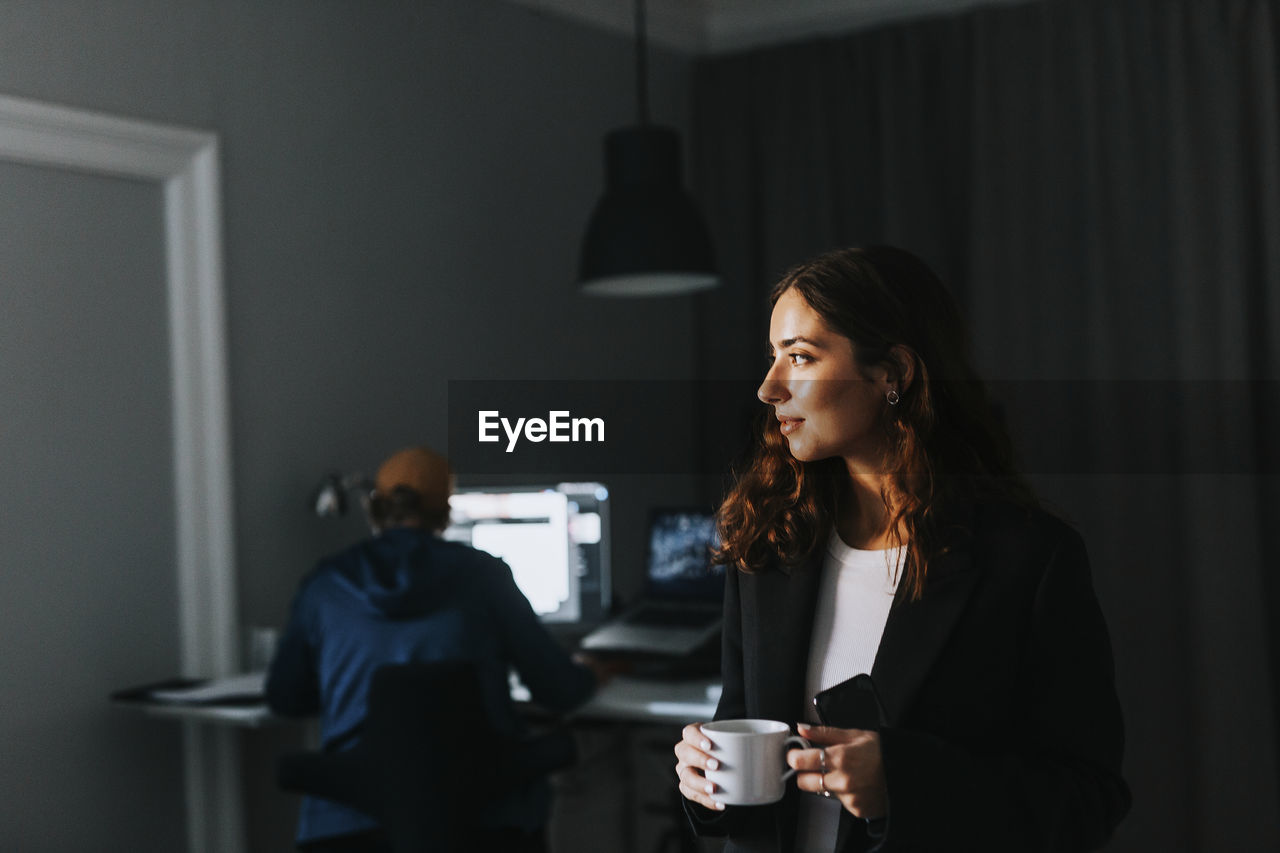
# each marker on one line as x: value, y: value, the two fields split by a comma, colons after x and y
x: 851, y: 704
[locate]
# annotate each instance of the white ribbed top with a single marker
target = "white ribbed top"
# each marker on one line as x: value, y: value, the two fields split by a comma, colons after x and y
x: 854, y: 597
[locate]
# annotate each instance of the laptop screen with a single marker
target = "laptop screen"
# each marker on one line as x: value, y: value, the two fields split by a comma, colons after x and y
x: 680, y: 567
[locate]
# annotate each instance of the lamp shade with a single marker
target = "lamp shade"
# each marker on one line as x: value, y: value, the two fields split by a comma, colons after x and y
x: 645, y: 236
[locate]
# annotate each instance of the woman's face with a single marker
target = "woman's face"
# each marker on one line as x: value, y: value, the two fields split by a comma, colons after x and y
x: 826, y: 405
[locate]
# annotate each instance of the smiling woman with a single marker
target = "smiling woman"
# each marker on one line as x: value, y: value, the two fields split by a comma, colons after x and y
x: 892, y: 578
x: 871, y: 385
x: 827, y: 403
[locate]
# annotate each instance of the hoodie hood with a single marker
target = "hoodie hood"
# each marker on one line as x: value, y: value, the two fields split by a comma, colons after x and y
x: 400, y: 573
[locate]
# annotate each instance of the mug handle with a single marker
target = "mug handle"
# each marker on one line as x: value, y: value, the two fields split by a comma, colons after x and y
x: 800, y: 743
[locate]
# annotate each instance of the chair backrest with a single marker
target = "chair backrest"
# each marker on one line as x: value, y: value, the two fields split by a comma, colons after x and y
x: 428, y: 761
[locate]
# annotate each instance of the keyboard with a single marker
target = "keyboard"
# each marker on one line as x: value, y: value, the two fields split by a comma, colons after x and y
x: 662, y: 617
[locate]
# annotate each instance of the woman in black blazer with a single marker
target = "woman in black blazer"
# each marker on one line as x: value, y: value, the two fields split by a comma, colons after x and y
x: 881, y: 528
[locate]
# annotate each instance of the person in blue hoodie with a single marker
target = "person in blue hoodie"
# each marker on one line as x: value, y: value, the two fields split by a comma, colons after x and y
x: 408, y: 595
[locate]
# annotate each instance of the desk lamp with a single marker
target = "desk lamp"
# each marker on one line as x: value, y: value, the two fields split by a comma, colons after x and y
x: 329, y: 500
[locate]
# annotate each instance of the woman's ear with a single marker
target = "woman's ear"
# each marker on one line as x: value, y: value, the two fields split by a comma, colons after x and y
x: 904, y: 366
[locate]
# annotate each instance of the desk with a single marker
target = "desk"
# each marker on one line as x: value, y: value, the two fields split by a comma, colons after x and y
x: 645, y: 700
x: 622, y: 787
x: 624, y: 699
x: 243, y: 711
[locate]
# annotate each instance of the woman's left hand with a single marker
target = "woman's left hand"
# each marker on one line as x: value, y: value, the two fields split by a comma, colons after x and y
x: 854, y: 772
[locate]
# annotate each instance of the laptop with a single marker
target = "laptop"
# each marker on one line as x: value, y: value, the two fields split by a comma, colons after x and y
x: 681, y: 607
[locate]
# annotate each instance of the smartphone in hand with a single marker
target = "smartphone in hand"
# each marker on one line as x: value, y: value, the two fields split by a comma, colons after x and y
x: 851, y: 704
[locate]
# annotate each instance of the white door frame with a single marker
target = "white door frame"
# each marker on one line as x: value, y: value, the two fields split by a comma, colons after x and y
x: 185, y: 163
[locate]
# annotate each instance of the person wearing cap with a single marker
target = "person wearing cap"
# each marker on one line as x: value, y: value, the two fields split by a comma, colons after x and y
x: 405, y: 594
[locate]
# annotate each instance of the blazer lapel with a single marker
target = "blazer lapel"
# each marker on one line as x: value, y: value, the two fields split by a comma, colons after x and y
x: 786, y: 601
x: 917, y: 631
x: 914, y: 635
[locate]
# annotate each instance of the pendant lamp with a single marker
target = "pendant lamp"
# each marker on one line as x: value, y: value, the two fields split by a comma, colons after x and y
x: 645, y: 236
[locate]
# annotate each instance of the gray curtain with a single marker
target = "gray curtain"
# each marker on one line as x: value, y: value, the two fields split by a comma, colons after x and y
x: 1099, y: 182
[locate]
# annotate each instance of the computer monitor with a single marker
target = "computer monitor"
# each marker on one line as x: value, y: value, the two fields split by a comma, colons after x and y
x: 554, y: 537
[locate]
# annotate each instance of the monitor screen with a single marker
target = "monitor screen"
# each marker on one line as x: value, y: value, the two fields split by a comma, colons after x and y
x: 554, y: 538
x: 680, y: 543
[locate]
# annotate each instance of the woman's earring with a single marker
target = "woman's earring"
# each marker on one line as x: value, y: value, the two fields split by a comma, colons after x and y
x: 893, y: 397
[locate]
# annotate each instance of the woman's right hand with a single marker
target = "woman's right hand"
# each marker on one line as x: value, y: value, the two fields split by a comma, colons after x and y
x: 693, y: 759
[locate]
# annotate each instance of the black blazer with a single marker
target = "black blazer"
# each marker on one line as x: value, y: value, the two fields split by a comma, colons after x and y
x: 1002, y: 730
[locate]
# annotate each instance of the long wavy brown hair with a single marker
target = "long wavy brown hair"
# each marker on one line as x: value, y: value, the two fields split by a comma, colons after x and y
x: 943, y: 442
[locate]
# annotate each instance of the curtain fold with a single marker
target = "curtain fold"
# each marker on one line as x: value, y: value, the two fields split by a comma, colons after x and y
x: 1099, y: 182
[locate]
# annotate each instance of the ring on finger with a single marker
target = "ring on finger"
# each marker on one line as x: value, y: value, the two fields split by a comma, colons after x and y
x: 822, y: 775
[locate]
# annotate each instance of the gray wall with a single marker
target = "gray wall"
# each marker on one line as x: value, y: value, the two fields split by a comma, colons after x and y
x: 86, y: 493
x: 405, y: 185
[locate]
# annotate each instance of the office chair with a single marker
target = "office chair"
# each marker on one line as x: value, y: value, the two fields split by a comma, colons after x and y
x: 427, y: 759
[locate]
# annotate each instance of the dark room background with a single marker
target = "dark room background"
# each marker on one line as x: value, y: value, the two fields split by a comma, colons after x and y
x: 404, y: 186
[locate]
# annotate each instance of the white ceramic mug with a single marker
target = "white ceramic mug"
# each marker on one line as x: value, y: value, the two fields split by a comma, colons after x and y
x: 752, y: 756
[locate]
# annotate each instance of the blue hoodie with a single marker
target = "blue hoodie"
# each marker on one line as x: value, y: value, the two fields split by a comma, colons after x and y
x: 407, y: 595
